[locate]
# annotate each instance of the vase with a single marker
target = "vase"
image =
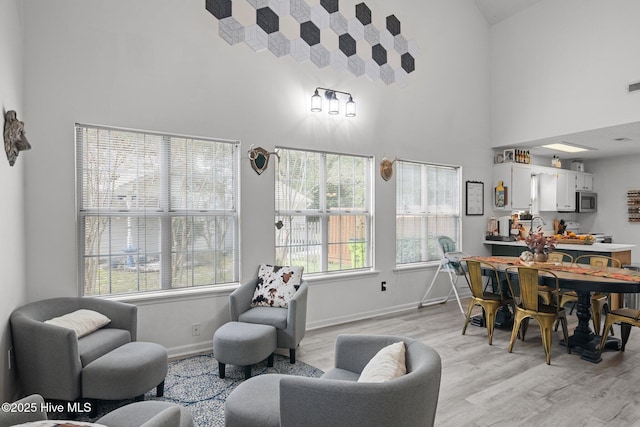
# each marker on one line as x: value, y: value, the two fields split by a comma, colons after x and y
x: 540, y: 257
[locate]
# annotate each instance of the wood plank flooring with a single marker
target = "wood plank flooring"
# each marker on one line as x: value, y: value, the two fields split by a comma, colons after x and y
x: 485, y: 385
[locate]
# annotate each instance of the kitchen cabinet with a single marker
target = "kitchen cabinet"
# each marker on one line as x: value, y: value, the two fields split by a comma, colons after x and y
x: 584, y: 181
x: 517, y: 179
x: 565, y: 191
x: 547, y: 195
x: 532, y: 187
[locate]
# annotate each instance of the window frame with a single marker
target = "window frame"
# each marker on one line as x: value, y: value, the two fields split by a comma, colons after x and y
x: 425, y: 216
x: 324, y: 215
x: 165, y: 215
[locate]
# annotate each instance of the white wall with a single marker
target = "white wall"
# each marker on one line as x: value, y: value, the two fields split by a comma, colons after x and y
x: 561, y: 67
x: 160, y: 65
x: 614, y: 177
x: 12, y: 248
x: 564, y: 66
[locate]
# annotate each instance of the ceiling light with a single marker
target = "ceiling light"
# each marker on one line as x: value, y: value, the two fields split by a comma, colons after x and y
x: 566, y: 147
x: 334, y: 102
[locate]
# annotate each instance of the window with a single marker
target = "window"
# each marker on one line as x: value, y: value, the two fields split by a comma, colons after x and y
x: 323, y: 211
x: 155, y: 211
x: 427, y: 206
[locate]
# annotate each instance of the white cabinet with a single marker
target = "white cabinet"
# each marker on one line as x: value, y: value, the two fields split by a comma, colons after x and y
x: 547, y: 193
x: 521, y: 187
x: 584, y: 181
x: 566, y: 192
x: 540, y: 188
x: 517, y: 180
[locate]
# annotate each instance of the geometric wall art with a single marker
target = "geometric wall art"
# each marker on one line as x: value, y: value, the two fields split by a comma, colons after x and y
x: 320, y: 33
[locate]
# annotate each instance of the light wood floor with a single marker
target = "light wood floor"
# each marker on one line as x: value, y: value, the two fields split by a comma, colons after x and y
x: 485, y: 385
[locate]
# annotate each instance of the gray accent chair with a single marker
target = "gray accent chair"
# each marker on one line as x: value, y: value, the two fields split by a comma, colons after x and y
x: 50, y: 358
x: 12, y: 418
x: 337, y: 399
x: 148, y: 414
x: 290, y: 323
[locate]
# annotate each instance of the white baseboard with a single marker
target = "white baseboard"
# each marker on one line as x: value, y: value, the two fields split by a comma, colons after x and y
x: 190, y: 349
x: 359, y: 316
x: 207, y: 346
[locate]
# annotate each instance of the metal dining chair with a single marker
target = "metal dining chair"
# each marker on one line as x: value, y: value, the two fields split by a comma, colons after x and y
x: 527, y: 306
x: 626, y: 316
x: 599, y: 302
x: 489, y: 301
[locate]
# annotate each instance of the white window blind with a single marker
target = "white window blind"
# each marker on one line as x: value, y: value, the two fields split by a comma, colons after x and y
x: 323, y: 204
x: 427, y: 206
x: 155, y: 211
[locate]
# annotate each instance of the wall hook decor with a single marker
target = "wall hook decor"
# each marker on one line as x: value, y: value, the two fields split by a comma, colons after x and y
x: 386, y: 168
x: 259, y: 158
x: 14, y: 138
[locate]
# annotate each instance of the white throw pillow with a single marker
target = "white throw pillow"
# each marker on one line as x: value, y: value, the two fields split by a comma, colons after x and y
x: 387, y: 364
x: 276, y: 285
x: 82, y: 321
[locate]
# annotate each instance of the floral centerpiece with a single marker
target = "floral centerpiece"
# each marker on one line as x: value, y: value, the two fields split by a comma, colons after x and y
x: 540, y: 245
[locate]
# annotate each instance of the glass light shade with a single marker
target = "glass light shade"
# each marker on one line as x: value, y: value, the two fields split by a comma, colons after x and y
x: 316, y: 102
x: 350, y: 108
x: 334, y: 104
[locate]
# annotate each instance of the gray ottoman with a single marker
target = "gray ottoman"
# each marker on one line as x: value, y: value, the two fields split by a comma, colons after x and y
x: 263, y: 411
x: 244, y: 344
x: 127, y: 372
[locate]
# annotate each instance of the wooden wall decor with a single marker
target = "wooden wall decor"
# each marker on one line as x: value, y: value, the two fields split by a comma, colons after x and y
x: 386, y: 168
x: 259, y: 158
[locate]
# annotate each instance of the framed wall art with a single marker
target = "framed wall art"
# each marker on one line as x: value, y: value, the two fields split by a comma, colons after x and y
x: 475, y: 198
x: 509, y: 155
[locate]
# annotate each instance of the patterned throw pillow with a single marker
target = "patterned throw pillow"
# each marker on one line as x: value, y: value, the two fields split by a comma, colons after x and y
x: 276, y: 285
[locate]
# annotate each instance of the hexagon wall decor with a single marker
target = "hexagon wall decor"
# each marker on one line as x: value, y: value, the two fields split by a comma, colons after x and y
x: 361, y: 48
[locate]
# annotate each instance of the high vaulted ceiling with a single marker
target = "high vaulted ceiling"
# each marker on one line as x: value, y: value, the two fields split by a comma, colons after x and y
x: 611, y: 141
x: 495, y: 11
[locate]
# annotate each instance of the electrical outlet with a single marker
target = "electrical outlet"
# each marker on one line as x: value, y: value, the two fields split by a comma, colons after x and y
x: 383, y: 286
x: 195, y: 329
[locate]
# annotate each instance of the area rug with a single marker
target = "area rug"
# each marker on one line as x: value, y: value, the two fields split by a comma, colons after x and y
x: 196, y: 384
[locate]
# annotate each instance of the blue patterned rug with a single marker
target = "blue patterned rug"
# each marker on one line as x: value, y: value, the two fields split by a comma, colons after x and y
x: 195, y: 383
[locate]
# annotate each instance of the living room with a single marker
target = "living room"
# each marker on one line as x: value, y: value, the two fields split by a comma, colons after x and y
x: 163, y: 67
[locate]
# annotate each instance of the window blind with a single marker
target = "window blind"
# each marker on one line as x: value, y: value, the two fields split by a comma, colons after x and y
x: 155, y: 211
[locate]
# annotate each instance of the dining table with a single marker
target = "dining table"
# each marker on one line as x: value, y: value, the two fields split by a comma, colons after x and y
x: 584, y: 280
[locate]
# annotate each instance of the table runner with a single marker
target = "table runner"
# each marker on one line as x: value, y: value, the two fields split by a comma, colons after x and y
x: 627, y: 275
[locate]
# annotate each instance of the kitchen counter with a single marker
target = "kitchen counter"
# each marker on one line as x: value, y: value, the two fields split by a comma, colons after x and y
x: 596, y: 247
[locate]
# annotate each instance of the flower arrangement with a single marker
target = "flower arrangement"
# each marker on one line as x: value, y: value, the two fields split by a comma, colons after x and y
x: 538, y: 243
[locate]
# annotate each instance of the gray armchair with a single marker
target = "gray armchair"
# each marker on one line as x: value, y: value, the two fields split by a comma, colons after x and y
x: 50, y: 358
x: 35, y: 412
x: 337, y: 399
x: 290, y: 323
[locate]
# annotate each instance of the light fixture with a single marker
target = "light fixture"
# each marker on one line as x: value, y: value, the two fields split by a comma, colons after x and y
x: 566, y: 147
x: 316, y: 102
x: 334, y: 103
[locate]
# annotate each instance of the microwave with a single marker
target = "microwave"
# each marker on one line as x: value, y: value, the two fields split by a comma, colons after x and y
x: 586, y: 201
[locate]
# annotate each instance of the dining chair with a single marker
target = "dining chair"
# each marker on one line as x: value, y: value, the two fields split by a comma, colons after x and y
x: 524, y: 291
x: 546, y: 292
x: 598, y: 300
x: 627, y: 317
x: 489, y: 301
